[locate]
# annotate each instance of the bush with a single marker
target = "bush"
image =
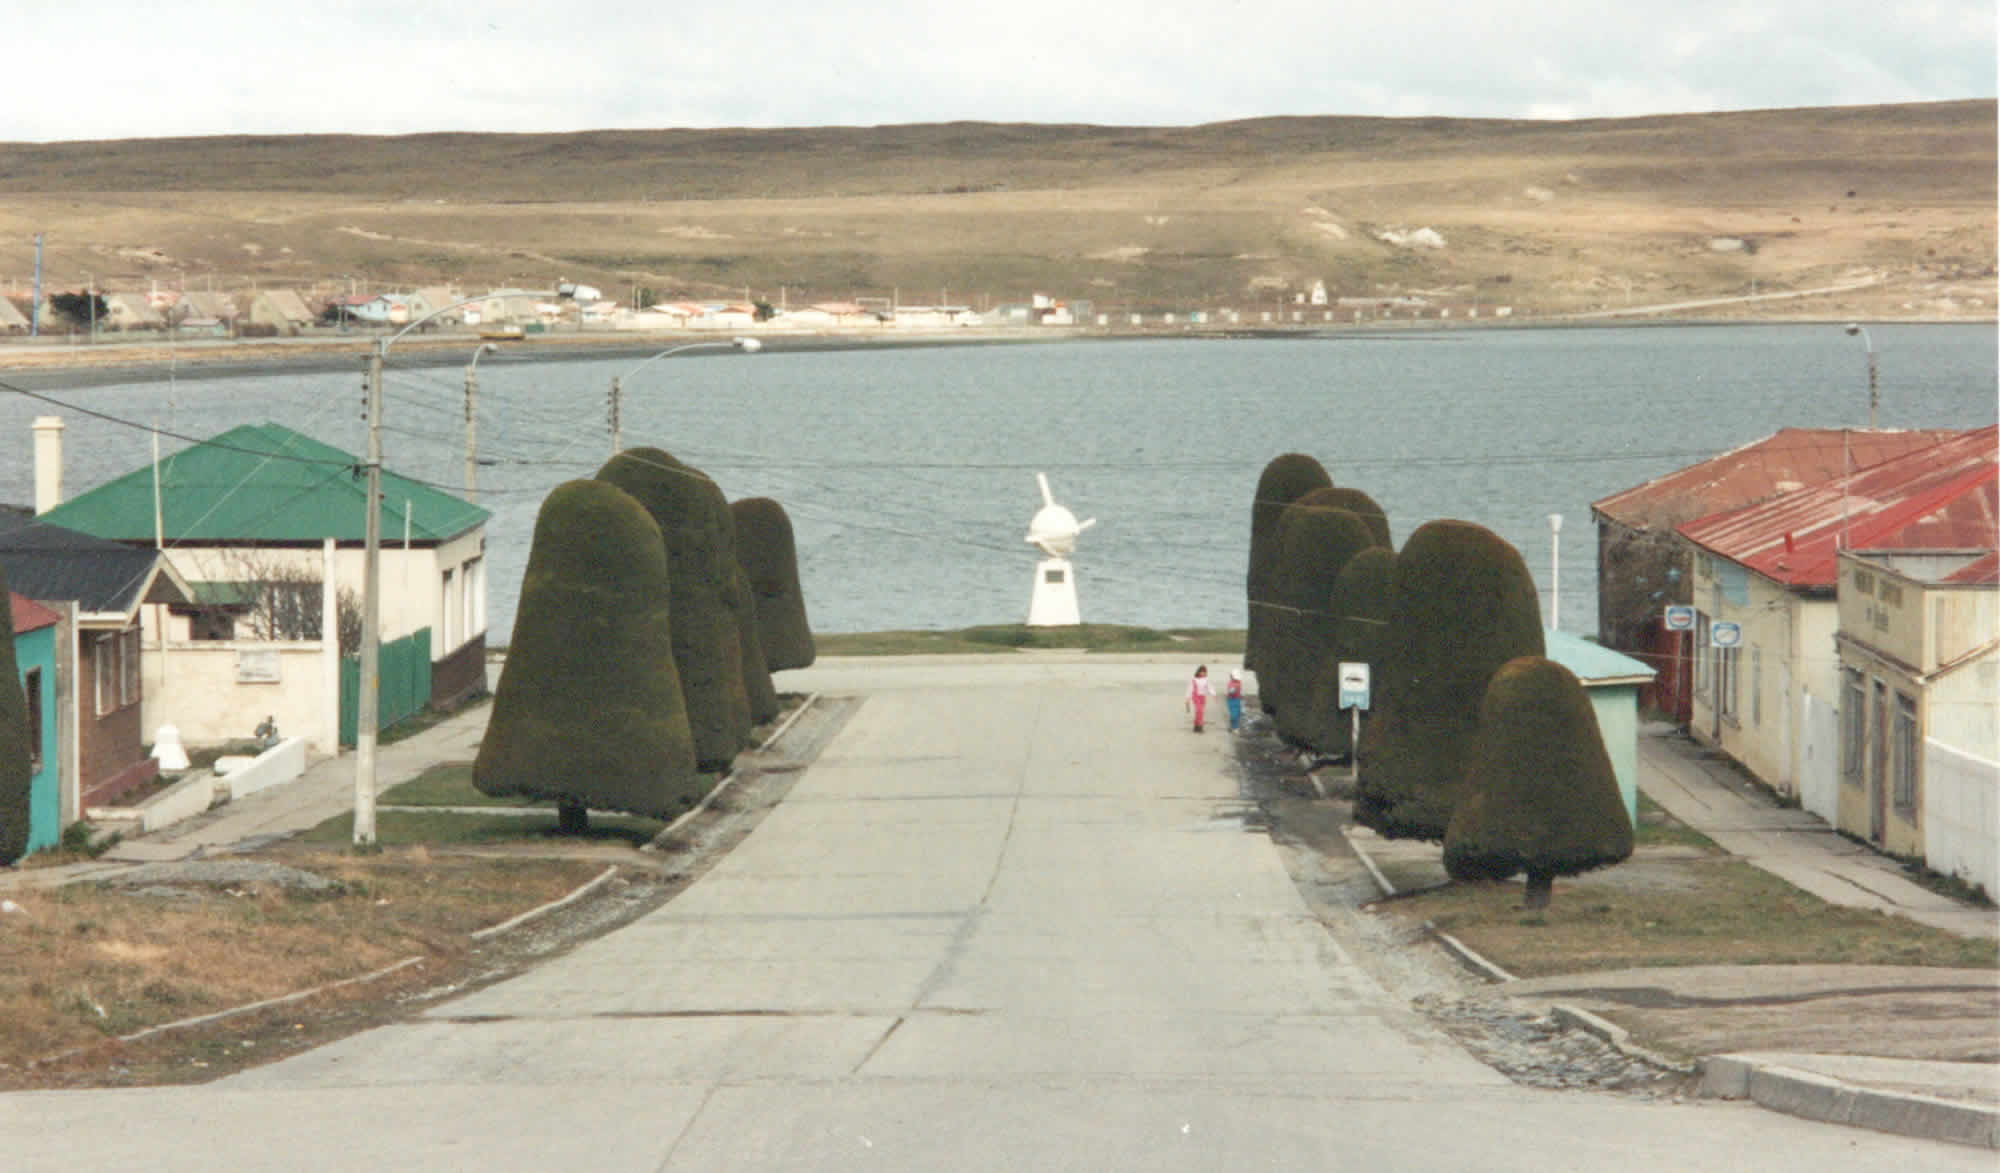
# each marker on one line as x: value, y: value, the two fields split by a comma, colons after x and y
x: 588, y: 711
x: 1313, y: 546
x: 1360, y: 606
x: 1356, y: 502
x: 1284, y: 479
x: 764, y: 548
x: 695, y: 525
x: 1464, y: 604
x: 1540, y: 795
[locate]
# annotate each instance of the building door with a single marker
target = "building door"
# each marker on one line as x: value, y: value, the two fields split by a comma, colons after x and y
x: 1878, y: 769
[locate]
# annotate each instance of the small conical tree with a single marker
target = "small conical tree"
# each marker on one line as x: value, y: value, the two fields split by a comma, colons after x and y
x: 758, y: 689
x: 1360, y: 605
x: 694, y: 521
x: 1285, y: 479
x: 1464, y: 604
x: 1314, y: 545
x: 588, y: 711
x: 1356, y: 502
x: 764, y: 546
x: 17, y: 776
x: 1540, y: 795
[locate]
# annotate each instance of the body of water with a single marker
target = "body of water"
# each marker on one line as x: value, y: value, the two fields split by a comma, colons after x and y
x: 909, y: 472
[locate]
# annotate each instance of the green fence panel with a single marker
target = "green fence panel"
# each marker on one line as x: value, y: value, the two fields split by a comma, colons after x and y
x: 404, y: 668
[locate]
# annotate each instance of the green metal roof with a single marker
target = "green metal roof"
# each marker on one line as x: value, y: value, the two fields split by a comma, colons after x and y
x: 1593, y: 663
x: 263, y: 483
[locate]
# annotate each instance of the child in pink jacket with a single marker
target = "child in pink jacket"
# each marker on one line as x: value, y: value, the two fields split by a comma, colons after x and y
x: 1199, y: 690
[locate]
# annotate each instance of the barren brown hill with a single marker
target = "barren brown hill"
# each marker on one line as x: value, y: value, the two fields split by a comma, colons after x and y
x: 1546, y: 216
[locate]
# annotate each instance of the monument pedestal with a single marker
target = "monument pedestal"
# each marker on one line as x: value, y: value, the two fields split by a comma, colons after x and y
x: 1054, y: 602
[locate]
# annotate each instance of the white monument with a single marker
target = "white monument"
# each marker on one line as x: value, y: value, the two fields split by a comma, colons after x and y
x: 1053, y: 530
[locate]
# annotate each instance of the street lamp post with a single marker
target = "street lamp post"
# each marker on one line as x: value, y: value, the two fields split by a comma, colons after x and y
x: 746, y: 345
x: 367, y: 717
x: 1874, y: 396
x: 472, y: 420
x: 1555, y: 571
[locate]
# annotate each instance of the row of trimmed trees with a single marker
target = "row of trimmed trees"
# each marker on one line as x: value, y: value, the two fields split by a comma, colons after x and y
x: 652, y: 615
x: 1474, y: 738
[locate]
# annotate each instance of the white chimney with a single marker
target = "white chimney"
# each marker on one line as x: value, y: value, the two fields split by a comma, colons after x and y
x: 48, y: 463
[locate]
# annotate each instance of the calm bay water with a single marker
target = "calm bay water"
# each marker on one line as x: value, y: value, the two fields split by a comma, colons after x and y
x: 909, y: 472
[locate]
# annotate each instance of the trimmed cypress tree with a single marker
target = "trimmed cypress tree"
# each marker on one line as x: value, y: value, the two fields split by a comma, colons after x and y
x: 1464, y: 604
x: 694, y: 522
x: 1360, y: 606
x: 588, y: 711
x: 758, y: 690
x: 1314, y: 545
x: 1540, y: 793
x: 17, y: 777
x: 1356, y: 502
x: 765, y: 549
x: 1285, y: 479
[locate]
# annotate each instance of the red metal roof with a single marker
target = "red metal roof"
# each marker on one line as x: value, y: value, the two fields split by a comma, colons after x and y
x: 29, y: 615
x: 1944, y: 497
x: 1790, y: 459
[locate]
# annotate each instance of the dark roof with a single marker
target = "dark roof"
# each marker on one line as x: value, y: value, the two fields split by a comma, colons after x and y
x: 103, y: 577
x: 1786, y: 460
x: 1944, y: 497
x: 263, y: 484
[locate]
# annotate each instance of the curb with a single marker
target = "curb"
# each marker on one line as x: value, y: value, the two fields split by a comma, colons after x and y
x: 1819, y: 1097
x: 516, y: 921
x: 658, y: 842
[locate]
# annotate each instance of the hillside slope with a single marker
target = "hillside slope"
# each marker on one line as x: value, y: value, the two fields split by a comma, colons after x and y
x: 1550, y: 217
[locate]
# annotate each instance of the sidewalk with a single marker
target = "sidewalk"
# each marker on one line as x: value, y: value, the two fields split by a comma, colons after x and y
x: 1951, y: 1101
x: 325, y: 789
x: 1799, y: 848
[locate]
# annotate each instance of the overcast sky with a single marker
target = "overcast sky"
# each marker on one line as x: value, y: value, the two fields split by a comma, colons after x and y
x: 141, y: 68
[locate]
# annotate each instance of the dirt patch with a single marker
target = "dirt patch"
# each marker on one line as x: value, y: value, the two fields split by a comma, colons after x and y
x: 85, y: 969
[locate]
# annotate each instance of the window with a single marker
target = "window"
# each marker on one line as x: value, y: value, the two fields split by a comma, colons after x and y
x: 1903, y: 759
x: 128, y: 667
x: 31, y: 683
x: 1726, y: 674
x: 1756, y: 686
x: 1853, y: 725
x: 104, y: 670
x: 448, y: 603
x: 1052, y: 576
x: 1864, y: 582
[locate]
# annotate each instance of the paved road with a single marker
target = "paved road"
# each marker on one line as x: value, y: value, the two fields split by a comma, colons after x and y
x: 1012, y: 919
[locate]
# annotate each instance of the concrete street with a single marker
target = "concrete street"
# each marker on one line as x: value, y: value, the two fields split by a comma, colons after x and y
x: 1014, y: 917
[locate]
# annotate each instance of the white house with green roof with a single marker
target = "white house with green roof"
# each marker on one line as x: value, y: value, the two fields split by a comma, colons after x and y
x: 260, y: 519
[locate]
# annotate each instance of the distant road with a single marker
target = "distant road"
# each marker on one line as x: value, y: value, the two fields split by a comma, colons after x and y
x: 1674, y: 307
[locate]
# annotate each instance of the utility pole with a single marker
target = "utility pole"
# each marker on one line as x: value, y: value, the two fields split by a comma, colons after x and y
x: 612, y: 413
x: 35, y: 319
x: 472, y: 421
x: 367, y: 712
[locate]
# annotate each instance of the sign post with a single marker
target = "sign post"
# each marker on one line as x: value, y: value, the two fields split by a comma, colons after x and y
x: 1354, y: 698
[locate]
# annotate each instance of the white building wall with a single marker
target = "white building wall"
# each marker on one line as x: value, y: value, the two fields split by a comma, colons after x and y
x: 1962, y: 815
x: 1962, y: 708
x: 198, y: 687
